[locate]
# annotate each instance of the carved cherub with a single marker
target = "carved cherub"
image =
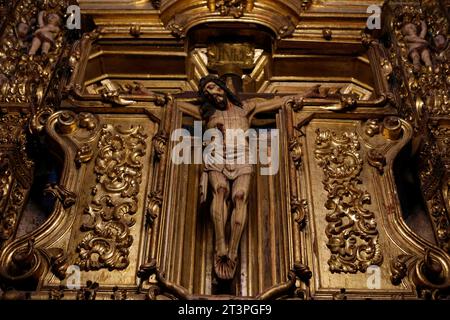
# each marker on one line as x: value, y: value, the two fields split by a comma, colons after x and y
x: 418, y: 47
x: 22, y: 30
x: 24, y: 34
x: 440, y: 46
x: 44, y: 37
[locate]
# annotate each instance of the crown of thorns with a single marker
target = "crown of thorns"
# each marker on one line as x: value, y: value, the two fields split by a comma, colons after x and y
x: 212, y: 78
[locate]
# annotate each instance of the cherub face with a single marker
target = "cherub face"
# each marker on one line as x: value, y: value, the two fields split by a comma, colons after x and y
x: 440, y: 41
x: 22, y: 30
x: 410, y: 28
x: 53, y: 19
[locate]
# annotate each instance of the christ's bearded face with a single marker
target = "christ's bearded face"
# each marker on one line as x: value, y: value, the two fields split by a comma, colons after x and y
x: 216, y: 95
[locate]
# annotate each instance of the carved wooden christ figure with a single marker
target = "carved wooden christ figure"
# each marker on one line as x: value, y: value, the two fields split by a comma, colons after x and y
x: 223, y: 110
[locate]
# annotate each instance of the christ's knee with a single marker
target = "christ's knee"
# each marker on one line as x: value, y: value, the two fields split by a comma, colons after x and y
x: 240, y: 198
x: 220, y: 192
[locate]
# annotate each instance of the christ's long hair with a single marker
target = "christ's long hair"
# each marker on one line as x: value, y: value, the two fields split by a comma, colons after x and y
x: 207, y: 108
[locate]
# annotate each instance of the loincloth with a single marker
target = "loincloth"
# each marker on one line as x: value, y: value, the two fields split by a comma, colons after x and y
x: 233, y: 163
x: 230, y: 171
x: 418, y: 49
x: 43, y: 37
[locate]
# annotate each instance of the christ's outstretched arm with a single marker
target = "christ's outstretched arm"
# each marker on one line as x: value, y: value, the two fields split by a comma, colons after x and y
x: 190, y: 109
x: 186, y: 107
x: 277, y: 103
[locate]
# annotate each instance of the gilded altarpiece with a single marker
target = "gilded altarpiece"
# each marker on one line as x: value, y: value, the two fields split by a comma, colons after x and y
x: 126, y: 222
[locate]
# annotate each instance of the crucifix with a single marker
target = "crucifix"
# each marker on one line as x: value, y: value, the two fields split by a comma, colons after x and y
x: 225, y: 109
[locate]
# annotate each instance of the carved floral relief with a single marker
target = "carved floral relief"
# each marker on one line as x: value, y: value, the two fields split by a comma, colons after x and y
x: 351, y: 230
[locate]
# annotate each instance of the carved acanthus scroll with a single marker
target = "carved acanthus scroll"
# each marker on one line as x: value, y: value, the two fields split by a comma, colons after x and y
x: 118, y: 168
x: 352, y: 231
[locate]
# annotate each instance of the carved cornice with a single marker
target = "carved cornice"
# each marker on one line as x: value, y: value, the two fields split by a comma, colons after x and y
x: 293, y: 20
x: 280, y: 16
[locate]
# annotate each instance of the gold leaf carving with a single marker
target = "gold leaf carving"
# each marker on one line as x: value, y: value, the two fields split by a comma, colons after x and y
x: 398, y: 269
x: 300, y: 211
x: 66, y: 197
x: 422, y: 50
x: 372, y: 127
x: 155, y: 200
x: 295, y: 148
x: 84, y: 155
x: 352, y: 231
x: 23, y: 75
x: 89, y: 292
x: 160, y: 144
x: 118, y: 168
x: 16, y: 171
x: 235, y: 8
x: 376, y: 160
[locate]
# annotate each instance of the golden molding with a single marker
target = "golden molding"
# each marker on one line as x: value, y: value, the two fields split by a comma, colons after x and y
x: 280, y: 16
